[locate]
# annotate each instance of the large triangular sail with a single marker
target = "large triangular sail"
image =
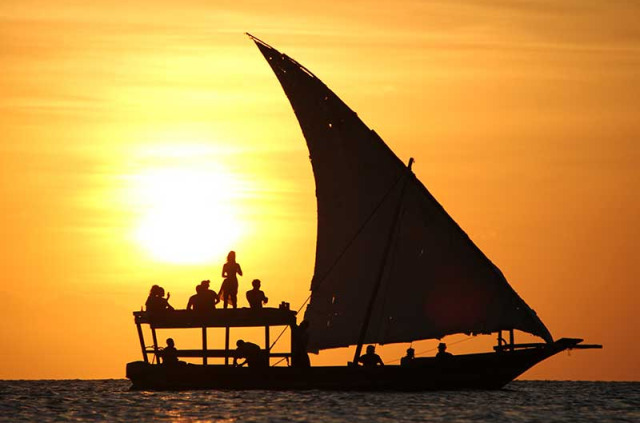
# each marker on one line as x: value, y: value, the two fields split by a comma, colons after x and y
x: 435, y: 282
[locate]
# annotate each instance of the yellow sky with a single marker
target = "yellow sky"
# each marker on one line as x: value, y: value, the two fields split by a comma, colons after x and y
x: 122, y: 125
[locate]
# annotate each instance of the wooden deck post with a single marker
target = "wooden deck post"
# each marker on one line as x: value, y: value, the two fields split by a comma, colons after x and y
x: 511, y: 340
x: 291, y: 329
x: 267, y: 345
x: 141, y: 337
x: 155, y: 344
x: 226, y: 346
x: 204, y: 345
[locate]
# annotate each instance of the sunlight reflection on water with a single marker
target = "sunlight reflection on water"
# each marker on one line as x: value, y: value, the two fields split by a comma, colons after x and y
x: 110, y: 400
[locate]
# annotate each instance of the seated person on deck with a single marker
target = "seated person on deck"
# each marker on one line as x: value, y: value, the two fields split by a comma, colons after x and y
x: 370, y: 359
x: 442, y: 351
x: 407, y: 360
x: 210, y: 298
x: 251, y: 353
x: 169, y: 354
x: 256, y: 297
x: 197, y: 301
x: 156, y: 303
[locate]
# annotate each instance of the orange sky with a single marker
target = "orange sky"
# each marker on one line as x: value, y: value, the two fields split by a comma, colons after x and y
x: 141, y: 142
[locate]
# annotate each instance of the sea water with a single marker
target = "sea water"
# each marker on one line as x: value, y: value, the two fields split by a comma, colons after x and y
x: 520, y: 401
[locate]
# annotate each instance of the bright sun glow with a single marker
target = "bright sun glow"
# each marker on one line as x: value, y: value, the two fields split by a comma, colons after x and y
x: 189, y: 214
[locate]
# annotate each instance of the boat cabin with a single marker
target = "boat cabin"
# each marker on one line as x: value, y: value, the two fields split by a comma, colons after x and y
x: 219, y: 318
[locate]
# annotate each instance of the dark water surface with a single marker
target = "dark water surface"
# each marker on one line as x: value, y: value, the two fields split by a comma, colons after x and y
x: 520, y: 401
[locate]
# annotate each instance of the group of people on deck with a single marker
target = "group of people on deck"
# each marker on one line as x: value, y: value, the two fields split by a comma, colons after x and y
x: 205, y: 299
x: 253, y: 355
x: 371, y: 359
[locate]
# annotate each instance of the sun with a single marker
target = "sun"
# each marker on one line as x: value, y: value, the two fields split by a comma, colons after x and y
x: 189, y: 215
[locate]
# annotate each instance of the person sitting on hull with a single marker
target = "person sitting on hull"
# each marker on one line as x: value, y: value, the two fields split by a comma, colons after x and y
x: 169, y: 354
x: 256, y: 297
x: 156, y: 303
x: 370, y: 359
x: 407, y: 360
x: 442, y: 351
x: 252, y: 354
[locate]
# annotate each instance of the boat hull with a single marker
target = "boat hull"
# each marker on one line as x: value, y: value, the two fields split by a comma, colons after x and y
x: 471, y: 371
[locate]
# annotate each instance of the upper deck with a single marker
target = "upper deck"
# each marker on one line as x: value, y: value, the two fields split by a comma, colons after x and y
x: 218, y: 318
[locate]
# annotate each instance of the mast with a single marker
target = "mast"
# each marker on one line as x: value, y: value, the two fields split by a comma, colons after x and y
x: 383, y: 264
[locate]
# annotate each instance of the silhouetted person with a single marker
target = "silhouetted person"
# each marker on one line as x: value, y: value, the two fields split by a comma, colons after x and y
x: 299, y: 341
x: 442, y: 351
x: 169, y: 354
x: 197, y: 302
x: 156, y: 303
x: 407, y: 360
x: 370, y: 359
x: 229, y: 288
x: 229, y: 292
x: 210, y: 297
x: 251, y: 353
x: 255, y: 296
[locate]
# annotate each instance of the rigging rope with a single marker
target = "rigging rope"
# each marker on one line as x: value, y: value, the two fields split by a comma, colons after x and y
x: 357, y: 234
x: 280, y: 361
x: 286, y: 327
x: 433, y: 349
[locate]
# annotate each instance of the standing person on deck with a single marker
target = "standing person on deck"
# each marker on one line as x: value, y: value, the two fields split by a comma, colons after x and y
x: 229, y: 288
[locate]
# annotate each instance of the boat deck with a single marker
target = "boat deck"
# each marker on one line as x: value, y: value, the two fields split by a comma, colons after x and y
x: 218, y: 318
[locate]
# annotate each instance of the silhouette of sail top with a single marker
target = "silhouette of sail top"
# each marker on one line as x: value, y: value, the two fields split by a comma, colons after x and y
x: 435, y: 281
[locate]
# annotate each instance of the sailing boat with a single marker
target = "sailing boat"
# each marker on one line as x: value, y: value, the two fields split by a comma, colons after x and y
x: 391, y: 266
